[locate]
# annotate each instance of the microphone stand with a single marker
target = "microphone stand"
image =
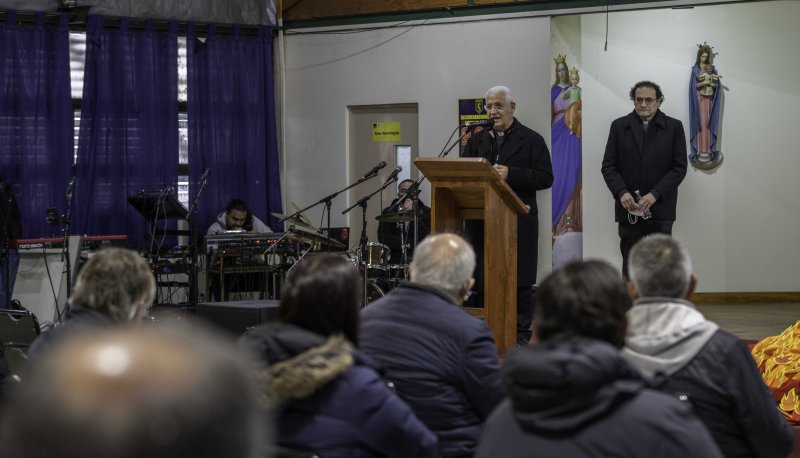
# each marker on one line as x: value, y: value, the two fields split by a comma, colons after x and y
x: 193, y: 217
x: 362, y: 243
x: 327, y: 201
x: 65, y: 254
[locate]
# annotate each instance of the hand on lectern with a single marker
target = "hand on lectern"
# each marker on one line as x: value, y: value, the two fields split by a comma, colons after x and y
x: 502, y: 170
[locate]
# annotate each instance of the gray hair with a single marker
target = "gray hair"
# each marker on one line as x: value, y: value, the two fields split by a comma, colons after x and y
x: 504, y: 89
x: 112, y: 282
x: 443, y: 261
x: 660, y: 267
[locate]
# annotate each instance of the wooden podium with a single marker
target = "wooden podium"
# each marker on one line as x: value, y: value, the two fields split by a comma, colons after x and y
x: 469, y: 188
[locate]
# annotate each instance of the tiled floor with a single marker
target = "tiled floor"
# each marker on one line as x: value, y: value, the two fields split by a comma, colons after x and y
x: 752, y: 321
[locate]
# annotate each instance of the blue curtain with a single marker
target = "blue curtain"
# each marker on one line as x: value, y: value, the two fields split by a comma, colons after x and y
x: 232, y: 129
x: 36, y: 139
x: 129, y: 127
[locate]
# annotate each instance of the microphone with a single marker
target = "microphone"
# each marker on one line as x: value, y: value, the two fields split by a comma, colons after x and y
x: 70, y: 185
x: 484, y: 123
x: 205, y: 175
x: 393, y: 175
x: 374, y: 171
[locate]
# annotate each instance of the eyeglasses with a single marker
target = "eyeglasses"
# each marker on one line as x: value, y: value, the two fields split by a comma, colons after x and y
x: 496, y: 106
x: 646, y: 101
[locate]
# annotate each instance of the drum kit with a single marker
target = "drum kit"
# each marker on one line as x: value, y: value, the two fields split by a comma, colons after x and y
x: 371, y: 258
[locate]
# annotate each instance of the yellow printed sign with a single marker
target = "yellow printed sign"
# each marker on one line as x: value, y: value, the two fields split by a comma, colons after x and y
x: 386, y: 131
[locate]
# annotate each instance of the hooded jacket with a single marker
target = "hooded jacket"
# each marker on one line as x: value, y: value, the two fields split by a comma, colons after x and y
x: 668, y: 339
x: 330, y: 399
x: 579, y: 398
x: 253, y: 224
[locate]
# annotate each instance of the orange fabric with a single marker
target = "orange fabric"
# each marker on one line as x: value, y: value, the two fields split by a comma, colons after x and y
x: 778, y: 359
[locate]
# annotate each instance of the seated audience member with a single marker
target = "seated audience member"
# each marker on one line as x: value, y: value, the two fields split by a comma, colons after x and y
x: 690, y: 356
x: 328, y: 396
x: 114, y: 287
x: 573, y: 395
x: 441, y: 358
x: 237, y: 217
x: 136, y: 392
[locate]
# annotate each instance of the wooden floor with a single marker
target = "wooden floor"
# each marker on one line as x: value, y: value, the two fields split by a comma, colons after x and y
x: 752, y: 321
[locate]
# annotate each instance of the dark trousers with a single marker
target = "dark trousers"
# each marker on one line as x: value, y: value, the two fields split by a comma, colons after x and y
x: 525, y: 304
x: 629, y: 234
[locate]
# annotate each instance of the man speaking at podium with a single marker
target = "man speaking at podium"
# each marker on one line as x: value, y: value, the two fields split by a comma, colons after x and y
x: 521, y: 157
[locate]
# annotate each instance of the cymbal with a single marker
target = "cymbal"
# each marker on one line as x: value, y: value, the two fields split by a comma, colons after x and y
x: 297, y: 221
x: 300, y: 235
x: 398, y: 217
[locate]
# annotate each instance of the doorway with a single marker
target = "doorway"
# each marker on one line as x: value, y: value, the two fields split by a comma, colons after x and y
x: 378, y: 133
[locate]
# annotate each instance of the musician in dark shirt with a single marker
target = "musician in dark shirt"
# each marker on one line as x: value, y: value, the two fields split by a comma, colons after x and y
x: 10, y: 229
x: 395, y: 234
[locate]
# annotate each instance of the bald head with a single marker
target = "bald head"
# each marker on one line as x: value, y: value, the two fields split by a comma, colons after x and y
x: 445, y: 262
x: 126, y: 392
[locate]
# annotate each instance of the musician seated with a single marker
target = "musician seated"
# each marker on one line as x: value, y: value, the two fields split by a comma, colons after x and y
x: 396, y: 233
x: 237, y: 217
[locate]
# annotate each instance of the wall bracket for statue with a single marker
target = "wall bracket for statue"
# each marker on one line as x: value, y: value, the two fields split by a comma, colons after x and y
x: 705, y: 104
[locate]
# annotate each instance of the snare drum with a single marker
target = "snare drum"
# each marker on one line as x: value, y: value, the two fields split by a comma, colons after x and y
x: 375, y: 259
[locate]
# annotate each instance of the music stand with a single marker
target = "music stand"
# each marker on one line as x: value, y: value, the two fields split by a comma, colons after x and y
x: 156, y: 205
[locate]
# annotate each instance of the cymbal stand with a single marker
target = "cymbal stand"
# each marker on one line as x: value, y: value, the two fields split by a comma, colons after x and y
x: 362, y: 243
x: 327, y: 201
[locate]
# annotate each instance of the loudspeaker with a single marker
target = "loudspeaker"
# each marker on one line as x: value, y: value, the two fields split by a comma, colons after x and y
x: 238, y: 316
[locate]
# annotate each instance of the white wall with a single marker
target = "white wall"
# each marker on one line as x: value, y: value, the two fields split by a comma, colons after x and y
x: 740, y: 222
x: 432, y: 66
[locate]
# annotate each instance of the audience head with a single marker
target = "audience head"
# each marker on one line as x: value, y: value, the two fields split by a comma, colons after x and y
x: 323, y: 295
x: 659, y: 266
x: 116, y: 282
x: 445, y: 262
x: 136, y: 392
x: 585, y: 298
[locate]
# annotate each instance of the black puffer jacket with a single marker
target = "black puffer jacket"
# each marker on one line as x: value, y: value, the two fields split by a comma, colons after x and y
x: 580, y: 398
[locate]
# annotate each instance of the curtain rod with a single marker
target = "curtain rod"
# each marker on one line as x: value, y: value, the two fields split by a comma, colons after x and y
x: 77, y: 23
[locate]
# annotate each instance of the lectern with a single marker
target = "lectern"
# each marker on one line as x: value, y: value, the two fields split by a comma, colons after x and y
x: 469, y: 188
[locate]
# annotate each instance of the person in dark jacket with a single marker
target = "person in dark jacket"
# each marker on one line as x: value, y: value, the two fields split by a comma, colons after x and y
x: 396, y: 234
x: 114, y: 287
x: 644, y: 162
x: 687, y: 355
x: 328, y: 397
x: 521, y: 157
x: 573, y: 395
x: 442, y: 359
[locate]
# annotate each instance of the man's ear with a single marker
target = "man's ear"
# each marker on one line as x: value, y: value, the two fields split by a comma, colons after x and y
x: 692, y: 285
x: 632, y: 291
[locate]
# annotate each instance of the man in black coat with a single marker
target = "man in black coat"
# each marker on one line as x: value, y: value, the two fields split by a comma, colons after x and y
x: 521, y: 157
x: 644, y: 162
x: 441, y: 359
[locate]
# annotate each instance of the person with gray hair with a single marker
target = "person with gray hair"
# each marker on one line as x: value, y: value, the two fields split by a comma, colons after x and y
x: 114, y: 287
x: 135, y: 392
x: 520, y: 156
x: 442, y: 360
x: 669, y: 340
